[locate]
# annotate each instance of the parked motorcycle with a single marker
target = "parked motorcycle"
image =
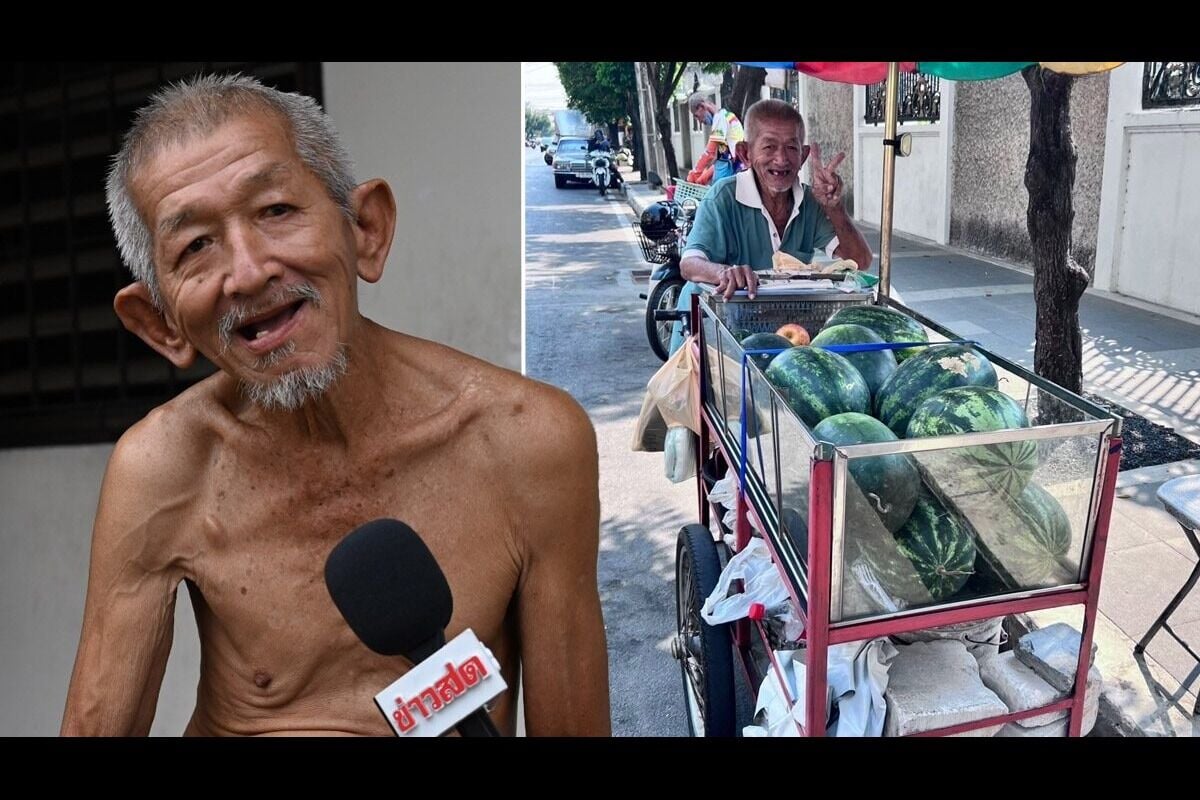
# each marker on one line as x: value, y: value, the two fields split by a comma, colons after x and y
x: 662, y: 232
x: 604, y: 169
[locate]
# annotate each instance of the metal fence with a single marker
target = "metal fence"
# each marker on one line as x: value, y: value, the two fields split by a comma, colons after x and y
x: 920, y: 99
x: 1168, y: 84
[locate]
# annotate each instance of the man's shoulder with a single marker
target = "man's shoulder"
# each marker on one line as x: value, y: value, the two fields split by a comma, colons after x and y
x: 539, y: 420
x: 723, y: 190
x: 157, y: 470
x: 723, y: 200
x: 169, y: 444
x: 519, y: 413
x: 538, y: 432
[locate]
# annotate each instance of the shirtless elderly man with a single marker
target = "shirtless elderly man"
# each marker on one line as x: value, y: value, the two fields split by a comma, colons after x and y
x: 234, y: 207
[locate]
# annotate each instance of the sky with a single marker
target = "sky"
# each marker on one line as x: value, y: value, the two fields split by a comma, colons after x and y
x: 542, y: 89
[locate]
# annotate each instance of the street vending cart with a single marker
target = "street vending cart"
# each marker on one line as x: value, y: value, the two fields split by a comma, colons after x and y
x: 978, y: 525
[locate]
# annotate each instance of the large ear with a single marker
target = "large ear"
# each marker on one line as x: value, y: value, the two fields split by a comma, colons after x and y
x: 137, y: 313
x: 742, y: 151
x: 805, y: 150
x: 375, y: 224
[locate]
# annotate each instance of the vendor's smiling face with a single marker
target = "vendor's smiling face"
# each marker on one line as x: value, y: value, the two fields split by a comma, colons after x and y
x: 776, y: 154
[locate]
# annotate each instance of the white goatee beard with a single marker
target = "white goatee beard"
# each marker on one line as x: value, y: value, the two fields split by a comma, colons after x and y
x: 291, y: 390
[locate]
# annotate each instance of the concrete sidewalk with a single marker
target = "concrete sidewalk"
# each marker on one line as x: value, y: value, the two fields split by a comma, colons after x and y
x: 1142, y: 357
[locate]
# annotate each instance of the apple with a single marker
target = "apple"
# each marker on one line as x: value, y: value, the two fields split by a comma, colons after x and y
x: 794, y: 333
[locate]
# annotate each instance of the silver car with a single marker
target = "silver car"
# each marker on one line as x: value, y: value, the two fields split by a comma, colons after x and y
x: 571, y: 162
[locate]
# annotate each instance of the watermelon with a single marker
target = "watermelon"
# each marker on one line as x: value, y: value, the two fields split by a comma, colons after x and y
x: 931, y: 557
x: 876, y: 366
x: 888, y: 323
x: 890, y: 484
x: 1035, y: 547
x: 940, y: 367
x: 1005, y: 467
x: 764, y: 341
x: 818, y: 384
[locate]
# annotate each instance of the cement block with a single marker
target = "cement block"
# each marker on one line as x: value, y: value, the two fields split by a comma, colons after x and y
x: 1139, y: 697
x: 981, y: 638
x: 936, y: 684
x: 1054, y: 729
x: 1053, y: 653
x: 1021, y: 689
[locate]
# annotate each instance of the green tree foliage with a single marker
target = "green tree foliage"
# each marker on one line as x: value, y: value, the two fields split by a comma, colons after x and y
x: 537, y: 123
x: 605, y: 91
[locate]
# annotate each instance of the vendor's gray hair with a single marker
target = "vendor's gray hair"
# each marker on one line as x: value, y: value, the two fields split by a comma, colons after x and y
x: 197, y: 107
x: 771, y: 109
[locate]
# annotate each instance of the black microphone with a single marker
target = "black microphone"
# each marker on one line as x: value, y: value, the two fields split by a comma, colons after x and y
x: 394, y: 596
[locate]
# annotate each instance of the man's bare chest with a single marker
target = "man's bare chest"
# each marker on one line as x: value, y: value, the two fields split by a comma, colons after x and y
x: 264, y: 528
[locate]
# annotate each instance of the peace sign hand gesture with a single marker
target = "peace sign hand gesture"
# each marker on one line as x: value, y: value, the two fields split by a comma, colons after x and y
x: 826, y: 183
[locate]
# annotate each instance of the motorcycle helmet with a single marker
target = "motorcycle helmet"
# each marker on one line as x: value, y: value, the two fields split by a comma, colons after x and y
x: 658, y: 220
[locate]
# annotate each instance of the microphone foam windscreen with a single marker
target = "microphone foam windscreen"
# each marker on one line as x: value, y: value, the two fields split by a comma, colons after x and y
x: 388, y: 587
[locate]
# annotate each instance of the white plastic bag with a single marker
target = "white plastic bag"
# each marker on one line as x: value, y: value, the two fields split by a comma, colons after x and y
x: 679, y: 455
x: 762, y: 584
x: 772, y: 702
x: 723, y: 491
x: 856, y: 679
x: 730, y: 520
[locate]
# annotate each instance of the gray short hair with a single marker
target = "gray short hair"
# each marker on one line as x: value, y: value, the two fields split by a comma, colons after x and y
x: 695, y: 100
x: 771, y: 109
x: 196, y: 107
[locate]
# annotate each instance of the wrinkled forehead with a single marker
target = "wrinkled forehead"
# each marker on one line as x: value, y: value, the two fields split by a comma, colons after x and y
x: 198, y: 150
x: 774, y: 130
x: 179, y: 133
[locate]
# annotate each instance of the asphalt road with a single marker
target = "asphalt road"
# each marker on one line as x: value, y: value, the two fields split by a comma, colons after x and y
x: 585, y: 333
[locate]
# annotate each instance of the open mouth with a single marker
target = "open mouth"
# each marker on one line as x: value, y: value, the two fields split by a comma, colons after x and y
x: 779, y: 173
x: 267, y: 331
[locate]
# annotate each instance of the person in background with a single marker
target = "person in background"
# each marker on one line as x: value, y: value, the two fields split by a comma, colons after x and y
x: 719, y: 160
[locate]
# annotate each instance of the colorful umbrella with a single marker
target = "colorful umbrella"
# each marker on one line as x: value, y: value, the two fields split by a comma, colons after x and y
x: 868, y: 72
x: 871, y: 72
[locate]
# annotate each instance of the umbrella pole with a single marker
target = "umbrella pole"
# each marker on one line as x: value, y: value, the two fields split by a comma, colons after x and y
x: 890, y: 142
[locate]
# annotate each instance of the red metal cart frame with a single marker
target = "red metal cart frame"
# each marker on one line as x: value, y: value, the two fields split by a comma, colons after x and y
x: 810, y: 584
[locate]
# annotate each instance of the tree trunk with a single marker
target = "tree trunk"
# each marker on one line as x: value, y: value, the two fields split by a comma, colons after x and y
x: 639, y: 152
x: 727, y: 87
x: 662, y: 116
x: 662, y: 86
x: 1058, y: 280
x: 747, y: 90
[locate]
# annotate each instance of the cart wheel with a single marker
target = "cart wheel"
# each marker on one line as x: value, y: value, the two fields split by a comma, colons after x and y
x: 663, y: 298
x: 704, y: 651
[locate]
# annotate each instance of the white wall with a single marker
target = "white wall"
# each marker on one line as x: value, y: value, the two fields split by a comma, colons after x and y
x: 922, y: 179
x: 447, y: 137
x: 1149, y: 230
x: 47, y: 501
